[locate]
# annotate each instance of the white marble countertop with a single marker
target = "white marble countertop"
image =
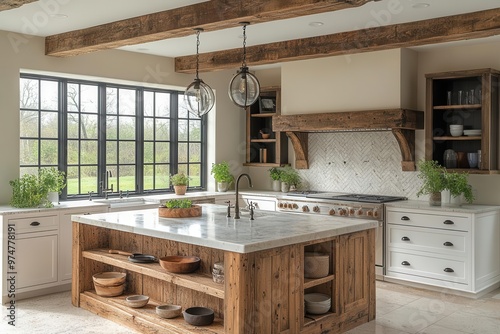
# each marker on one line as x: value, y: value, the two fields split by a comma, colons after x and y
x: 214, y: 230
x: 424, y: 205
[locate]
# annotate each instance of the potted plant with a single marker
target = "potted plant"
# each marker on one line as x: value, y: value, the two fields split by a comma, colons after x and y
x: 180, y: 182
x: 289, y: 177
x: 458, y: 185
x: 432, y: 175
x: 179, y: 208
x: 53, y: 182
x: 275, y: 174
x: 222, y: 175
x: 27, y: 193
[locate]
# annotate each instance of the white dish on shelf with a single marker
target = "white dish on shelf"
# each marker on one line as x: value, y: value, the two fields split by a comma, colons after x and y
x: 472, y: 132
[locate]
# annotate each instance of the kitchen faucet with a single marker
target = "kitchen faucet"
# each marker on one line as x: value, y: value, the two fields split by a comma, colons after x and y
x: 105, y: 184
x: 236, y: 205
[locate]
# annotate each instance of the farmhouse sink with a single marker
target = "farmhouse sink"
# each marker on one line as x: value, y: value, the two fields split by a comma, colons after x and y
x: 128, y: 203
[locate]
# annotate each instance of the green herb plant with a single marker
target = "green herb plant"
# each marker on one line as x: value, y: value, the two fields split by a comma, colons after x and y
x: 27, y: 193
x: 275, y: 173
x: 457, y: 184
x: 52, y: 180
x: 179, y: 179
x: 221, y: 172
x: 178, y: 204
x: 290, y: 176
x: 432, y: 175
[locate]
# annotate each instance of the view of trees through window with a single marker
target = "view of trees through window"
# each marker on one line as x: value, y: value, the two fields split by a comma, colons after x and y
x: 140, y: 135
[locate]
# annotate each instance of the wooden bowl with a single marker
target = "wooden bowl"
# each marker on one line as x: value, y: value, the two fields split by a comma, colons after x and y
x: 199, y: 316
x: 168, y: 311
x: 109, y: 291
x: 109, y: 278
x: 265, y: 135
x: 180, y: 264
x: 137, y: 300
x: 193, y: 211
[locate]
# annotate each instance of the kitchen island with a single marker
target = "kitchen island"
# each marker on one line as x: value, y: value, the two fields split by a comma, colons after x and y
x: 264, y: 284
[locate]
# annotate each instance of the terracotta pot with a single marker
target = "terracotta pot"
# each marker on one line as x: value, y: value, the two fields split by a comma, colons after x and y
x: 180, y: 190
x: 435, y: 199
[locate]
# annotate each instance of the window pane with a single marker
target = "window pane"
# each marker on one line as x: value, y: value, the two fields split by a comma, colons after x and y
x: 49, y: 125
x: 127, y: 152
x: 148, y: 177
x: 183, y: 153
x: 49, y: 95
x: 149, y: 129
x: 73, y: 152
x: 89, y: 127
x: 111, y: 152
x: 126, y: 102
x: 72, y: 180
x: 162, y: 105
x: 148, y: 152
x: 195, y: 175
x: 127, y: 127
x: 111, y: 127
x: 194, y: 130
x: 89, y: 98
x: 162, y: 129
x: 48, y: 152
x: 88, y: 179
x: 127, y: 178
x: 148, y: 103
x: 183, y: 112
x: 162, y: 174
x: 28, y: 170
x: 73, y: 96
x: 29, y: 123
x: 183, y: 168
x: 29, y: 152
x: 28, y: 95
x: 111, y: 100
x: 162, y: 152
x: 183, y: 130
x: 73, y: 124
x: 194, y: 152
x: 89, y: 152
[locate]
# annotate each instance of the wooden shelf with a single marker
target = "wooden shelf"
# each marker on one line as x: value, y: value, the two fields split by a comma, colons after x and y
x: 473, y: 171
x: 198, y: 282
x: 262, y: 164
x: 461, y: 106
x: 263, y: 140
x: 118, y: 310
x: 310, y: 282
x: 269, y: 114
x: 457, y: 138
x: 313, y: 318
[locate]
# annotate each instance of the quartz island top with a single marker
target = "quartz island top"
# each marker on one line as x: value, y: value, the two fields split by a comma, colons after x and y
x: 213, y: 229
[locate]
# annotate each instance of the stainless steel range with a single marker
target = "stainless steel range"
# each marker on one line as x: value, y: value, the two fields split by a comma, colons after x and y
x: 343, y: 205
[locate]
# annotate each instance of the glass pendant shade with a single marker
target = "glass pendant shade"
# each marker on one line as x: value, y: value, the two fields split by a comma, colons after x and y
x: 244, y: 88
x: 199, y: 98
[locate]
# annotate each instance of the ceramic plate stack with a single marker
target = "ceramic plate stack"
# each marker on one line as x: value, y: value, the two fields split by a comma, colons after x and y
x: 317, y: 303
x: 218, y: 272
x: 472, y: 132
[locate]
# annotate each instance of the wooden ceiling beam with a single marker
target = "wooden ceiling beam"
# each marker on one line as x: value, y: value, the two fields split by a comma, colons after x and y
x: 211, y: 15
x: 444, y: 29
x: 11, y: 4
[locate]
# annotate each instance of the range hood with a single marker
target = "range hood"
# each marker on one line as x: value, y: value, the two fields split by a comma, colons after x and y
x: 401, y: 122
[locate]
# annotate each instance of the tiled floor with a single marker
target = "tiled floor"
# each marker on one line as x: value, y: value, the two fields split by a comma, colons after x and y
x: 400, y: 310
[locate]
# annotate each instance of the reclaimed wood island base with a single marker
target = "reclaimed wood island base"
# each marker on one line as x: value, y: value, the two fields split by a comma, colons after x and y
x: 264, y: 284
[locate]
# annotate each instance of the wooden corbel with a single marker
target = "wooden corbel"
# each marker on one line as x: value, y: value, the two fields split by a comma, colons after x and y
x: 299, y: 142
x: 406, y: 141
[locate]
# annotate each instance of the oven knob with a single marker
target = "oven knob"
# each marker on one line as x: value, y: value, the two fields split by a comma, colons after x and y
x: 290, y: 205
x: 351, y: 212
x: 359, y: 212
x: 305, y: 208
x: 295, y: 206
x: 375, y: 213
x: 316, y: 209
x: 342, y: 212
x: 331, y: 212
x: 280, y: 205
x: 369, y: 213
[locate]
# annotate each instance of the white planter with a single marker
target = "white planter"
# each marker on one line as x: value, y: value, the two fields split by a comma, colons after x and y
x: 53, y: 196
x: 285, y: 187
x: 445, y: 196
x: 276, y: 185
x: 222, y: 186
x: 456, y: 200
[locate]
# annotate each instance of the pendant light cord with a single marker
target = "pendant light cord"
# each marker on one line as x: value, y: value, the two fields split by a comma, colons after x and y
x: 197, y: 52
x: 244, y: 64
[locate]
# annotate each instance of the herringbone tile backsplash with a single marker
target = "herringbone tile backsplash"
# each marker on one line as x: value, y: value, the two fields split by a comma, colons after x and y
x: 358, y: 162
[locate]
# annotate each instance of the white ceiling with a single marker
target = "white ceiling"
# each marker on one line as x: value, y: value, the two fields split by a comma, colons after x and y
x: 49, y: 17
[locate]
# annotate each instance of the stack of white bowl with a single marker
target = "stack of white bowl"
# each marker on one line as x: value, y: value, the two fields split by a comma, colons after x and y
x: 218, y: 272
x: 317, y: 303
x: 456, y: 130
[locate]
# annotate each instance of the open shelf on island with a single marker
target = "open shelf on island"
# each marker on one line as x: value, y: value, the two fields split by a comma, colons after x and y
x: 310, y: 282
x: 194, y: 281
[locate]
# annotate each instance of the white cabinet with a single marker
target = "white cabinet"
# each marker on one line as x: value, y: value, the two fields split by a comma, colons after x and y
x: 455, y: 249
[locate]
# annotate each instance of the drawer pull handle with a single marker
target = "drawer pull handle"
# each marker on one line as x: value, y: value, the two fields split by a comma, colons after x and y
x: 405, y: 239
x: 405, y: 218
x: 449, y: 270
x: 448, y: 222
x: 447, y: 243
x: 406, y: 263
x: 35, y: 224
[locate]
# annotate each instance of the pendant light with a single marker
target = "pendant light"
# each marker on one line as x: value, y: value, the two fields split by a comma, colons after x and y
x: 199, y: 97
x: 244, y: 88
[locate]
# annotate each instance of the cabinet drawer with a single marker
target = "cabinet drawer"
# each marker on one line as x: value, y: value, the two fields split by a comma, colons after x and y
x: 448, y: 222
x: 427, y: 266
x: 427, y: 240
x: 35, y: 224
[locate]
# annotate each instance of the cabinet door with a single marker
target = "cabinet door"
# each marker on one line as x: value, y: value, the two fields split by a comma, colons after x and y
x: 36, y: 259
